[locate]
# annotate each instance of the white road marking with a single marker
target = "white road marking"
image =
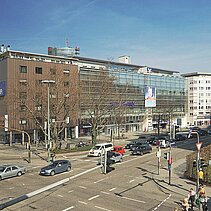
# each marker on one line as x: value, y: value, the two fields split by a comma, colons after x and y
x: 94, y: 197
x: 36, y: 167
x: 131, y: 180
x: 82, y: 202
x: 60, y: 195
x: 11, y: 188
x: 70, y: 191
x: 99, y: 180
x: 105, y: 192
x: 60, y: 182
x: 102, y: 208
x: 82, y: 187
x: 112, y: 189
x: 123, y: 197
x: 162, y: 202
x: 69, y: 208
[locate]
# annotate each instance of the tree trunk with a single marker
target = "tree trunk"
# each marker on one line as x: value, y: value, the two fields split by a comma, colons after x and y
x: 94, y: 134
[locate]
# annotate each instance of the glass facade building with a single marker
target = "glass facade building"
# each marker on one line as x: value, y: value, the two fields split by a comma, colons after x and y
x: 171, y: 93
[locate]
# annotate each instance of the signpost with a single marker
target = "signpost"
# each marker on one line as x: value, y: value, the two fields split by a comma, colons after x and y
x: 158, y: 154
x: 198, y: 145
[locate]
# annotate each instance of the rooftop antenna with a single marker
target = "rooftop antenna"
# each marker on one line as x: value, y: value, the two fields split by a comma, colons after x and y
x: 67, y: 43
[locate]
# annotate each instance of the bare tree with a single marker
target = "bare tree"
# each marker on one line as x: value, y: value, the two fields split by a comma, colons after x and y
x: 99, y: 99
x: 32, y: 102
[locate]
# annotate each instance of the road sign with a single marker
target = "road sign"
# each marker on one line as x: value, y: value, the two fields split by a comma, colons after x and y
x: 198, y: 145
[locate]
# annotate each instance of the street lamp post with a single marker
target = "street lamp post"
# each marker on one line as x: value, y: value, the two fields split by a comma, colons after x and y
x: 49, y: 132
x: 197, y: 160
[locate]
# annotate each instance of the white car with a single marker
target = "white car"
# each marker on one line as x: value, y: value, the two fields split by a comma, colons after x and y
x: 99, y: 149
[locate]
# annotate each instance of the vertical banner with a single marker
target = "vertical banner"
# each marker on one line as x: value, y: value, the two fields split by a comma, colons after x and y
x: 6, y: 122
x: 2, y: 88
x: 150, y: 96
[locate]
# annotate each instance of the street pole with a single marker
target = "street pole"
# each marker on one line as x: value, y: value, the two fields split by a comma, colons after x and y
x: 49, y: 132
x: 48, y: 116
x: 197, y: 165
x: 169, y: 164
x: 158, y: 154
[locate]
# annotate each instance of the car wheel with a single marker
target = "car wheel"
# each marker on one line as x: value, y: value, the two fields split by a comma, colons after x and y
x: 0, y: 178
x: 141, y: 153
x: 19, y: 173
x: 52, y: 173
x: 99, y: 155
x: 120, y: 160
x: 68, y: 168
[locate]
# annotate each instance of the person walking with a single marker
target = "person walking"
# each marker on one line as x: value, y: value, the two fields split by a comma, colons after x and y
x: 191, y: 198
x: 202, y: 198
x: 185, y: 204
x: 201, y: 176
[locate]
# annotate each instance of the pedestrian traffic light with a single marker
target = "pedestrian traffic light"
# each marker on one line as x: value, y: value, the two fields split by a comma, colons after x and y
x: 166, y: 155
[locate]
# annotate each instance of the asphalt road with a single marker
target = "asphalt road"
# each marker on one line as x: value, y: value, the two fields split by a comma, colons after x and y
x: 129, y: 187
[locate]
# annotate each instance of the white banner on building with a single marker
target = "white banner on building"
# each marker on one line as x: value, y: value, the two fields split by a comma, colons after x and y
x: 6, y: 122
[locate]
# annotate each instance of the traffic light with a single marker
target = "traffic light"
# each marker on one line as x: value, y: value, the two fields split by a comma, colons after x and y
x: 202, y: 163
x: 166, y: 155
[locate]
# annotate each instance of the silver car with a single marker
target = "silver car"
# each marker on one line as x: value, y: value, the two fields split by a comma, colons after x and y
x: 56, y: 167
x: 7, y: 171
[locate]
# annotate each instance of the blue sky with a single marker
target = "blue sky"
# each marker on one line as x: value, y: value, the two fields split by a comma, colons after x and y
x: 166, y: 34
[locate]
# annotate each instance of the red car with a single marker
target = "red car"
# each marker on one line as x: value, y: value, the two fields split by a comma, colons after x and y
x: 119, y: 149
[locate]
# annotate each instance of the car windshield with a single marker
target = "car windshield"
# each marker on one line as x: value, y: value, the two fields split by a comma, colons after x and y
x: 53, y: 164
x: 2, y: 168
x: 96, y: 147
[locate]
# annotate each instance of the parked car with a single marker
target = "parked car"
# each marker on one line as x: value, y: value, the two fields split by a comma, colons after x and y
x: 56, y: 167
x: 81, y: 144
x: 7, y: 171
x: 142, y: 149
x: 99, y: 149
x: 119, y: 149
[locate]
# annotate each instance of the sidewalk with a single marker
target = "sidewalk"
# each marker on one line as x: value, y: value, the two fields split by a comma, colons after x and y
x: 179, y: 184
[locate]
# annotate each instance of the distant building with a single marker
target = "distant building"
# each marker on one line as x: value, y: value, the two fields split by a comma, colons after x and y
x: 199, y: 98
x: 65, y: 51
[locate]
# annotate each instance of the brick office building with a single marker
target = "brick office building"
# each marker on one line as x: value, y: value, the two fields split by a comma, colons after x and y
x: 23, y: 95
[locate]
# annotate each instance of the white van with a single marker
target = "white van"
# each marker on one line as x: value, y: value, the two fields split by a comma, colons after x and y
x: 98, y: 149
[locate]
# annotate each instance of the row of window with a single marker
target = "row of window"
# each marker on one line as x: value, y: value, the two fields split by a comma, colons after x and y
x: 201, y: 101
x: 200, y: 88
x: 200, y: 82
x: 39, y: 70
x: 200, y: 107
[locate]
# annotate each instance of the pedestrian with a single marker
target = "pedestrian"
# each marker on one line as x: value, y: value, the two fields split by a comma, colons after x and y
x: 185, y: 204
x: 201, y: 176
x: 191, y: 198
x: 202, y: 198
